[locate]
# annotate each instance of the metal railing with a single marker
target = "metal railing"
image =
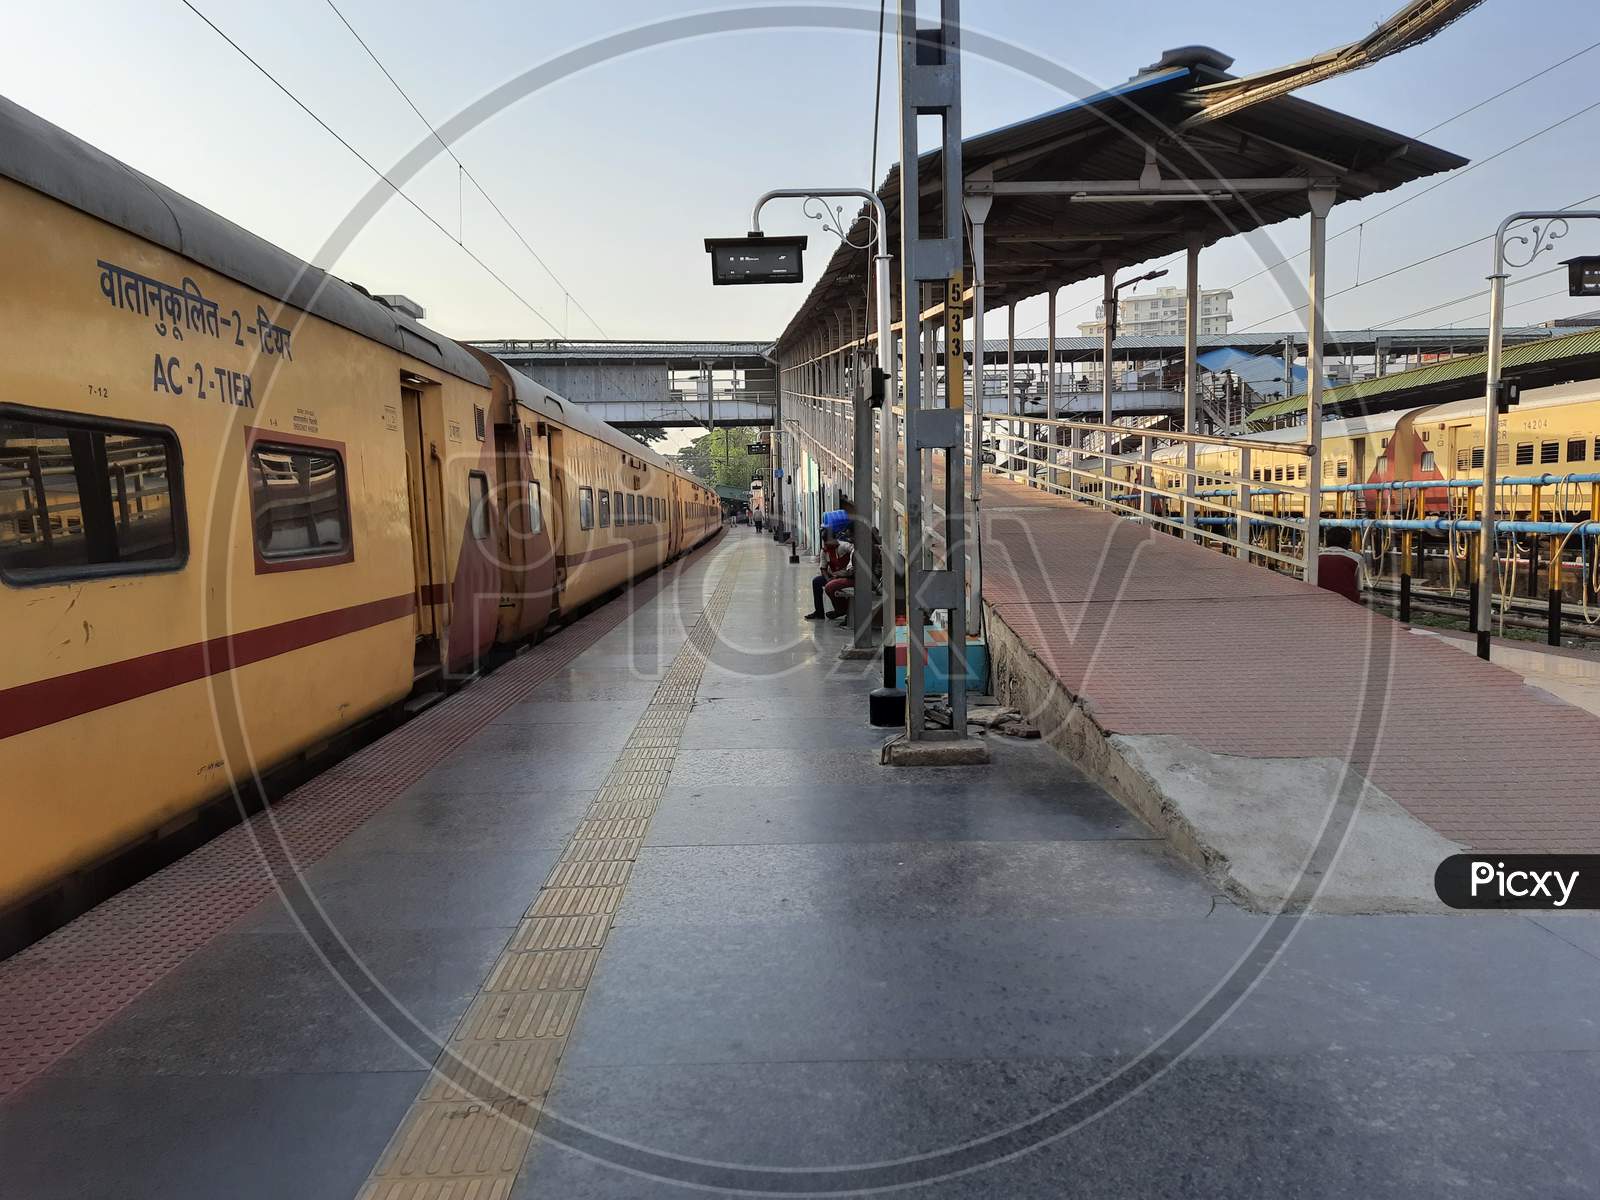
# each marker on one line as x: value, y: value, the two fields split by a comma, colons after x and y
x: 1209, y: 503
x: 1235, y: 503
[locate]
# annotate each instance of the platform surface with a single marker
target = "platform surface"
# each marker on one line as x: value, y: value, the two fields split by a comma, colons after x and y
x: 653, y: 876
x: 1164, y: 637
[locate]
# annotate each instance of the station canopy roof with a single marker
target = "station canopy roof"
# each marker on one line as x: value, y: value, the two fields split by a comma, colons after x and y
x: 1153, y: 346
x: 1536, y: 364
x: 678, y: 355
x: 1039, y: 242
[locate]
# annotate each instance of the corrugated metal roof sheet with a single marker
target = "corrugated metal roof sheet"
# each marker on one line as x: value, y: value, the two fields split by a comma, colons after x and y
x: 1573, y: 346
x: 1104, y: 137
x: 562, y: 351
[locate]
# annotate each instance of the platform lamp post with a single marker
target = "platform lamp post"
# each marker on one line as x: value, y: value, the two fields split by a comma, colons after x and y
x: 1583, y: 279
x: 1113, y: 306
x: 757, y: 258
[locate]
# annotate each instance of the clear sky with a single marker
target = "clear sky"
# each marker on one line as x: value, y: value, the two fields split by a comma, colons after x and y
x: 614, y: 175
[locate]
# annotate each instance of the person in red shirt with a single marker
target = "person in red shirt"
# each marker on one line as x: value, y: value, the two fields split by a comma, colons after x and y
x: 1339, y: 568
x: 837, y: 572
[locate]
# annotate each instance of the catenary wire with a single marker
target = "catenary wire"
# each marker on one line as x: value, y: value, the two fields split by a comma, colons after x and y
x: 424, y: 213
x: 463, y: 170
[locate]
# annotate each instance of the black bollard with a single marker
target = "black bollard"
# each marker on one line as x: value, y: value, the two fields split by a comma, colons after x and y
x: 886, y: 705
x: 1405, y: 581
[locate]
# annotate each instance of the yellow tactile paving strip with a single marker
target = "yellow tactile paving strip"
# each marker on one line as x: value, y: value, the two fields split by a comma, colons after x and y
x: 465, y: 1135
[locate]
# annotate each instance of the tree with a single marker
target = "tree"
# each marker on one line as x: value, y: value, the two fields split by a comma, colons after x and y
x: 720, y: 458
x: 649, y: 435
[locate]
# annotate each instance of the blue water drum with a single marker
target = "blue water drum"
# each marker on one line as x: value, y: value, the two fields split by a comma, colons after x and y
x: 837, y: 522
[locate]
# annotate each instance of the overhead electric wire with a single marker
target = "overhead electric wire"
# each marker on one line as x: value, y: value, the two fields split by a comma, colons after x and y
x: 1463, y: 299
x: 1397, y: 270
x: 1440, y: 183
x: 1507, y: 91
x: 877, y: 99
x: 1451, y: 178
x: 464, y: 169
x: 424, y: 213
x: 872, y: 174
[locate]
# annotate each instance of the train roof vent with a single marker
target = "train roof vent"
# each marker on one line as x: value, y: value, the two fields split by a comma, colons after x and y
x: 403, y: 304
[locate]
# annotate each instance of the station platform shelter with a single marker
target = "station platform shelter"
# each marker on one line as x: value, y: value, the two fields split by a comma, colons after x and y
x: 641, y: 914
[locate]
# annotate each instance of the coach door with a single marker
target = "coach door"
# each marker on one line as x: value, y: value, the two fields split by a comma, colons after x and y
x: 426, y: 530
x: 556, y: 506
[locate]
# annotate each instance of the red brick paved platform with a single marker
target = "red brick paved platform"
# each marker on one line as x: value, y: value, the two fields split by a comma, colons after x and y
x: 1158, y: 636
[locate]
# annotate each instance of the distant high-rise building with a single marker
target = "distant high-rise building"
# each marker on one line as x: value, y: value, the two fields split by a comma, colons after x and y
x: 1161, y: 312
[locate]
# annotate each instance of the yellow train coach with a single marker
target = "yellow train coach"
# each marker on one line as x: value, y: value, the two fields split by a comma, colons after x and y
x: 1553, y: 433
x: 244, y: 505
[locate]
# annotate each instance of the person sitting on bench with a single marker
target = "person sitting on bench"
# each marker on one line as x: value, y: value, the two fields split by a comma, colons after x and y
x: 837, y: 573
x: 1339, y: 568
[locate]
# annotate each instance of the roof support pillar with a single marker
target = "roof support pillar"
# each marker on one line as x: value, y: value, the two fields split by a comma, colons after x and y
x: 1011, y: 368
x: 1050, y: 357
x: 1321, y: 201
x: 1191, y: 379
x: 977, y: 213
x: 888, y: 443
x: 1108, y: 338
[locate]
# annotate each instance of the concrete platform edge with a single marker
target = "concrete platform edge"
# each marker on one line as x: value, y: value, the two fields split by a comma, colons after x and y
x: 1249, y: 824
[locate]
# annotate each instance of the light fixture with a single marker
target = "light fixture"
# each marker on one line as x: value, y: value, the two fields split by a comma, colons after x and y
x: 756, y: 258
x: 1583, y: 275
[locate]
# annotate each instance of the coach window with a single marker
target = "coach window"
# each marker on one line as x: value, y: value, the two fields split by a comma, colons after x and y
x: 81, y: 497
x: 1524, y: 454
x: 629, y: 501
x: 1550, y: 452
x: 1429, y: 463
x: 616, y: 506
x: 585, y: 508
x: 535, y: 508
x: 605, y: 509
x: 1342, y: 469
x: 478, y: 504
x: 297, y: 499
x: 1577, y: 449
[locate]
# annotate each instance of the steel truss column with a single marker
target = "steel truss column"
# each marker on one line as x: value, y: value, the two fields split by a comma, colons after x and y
x: 930, y: 86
